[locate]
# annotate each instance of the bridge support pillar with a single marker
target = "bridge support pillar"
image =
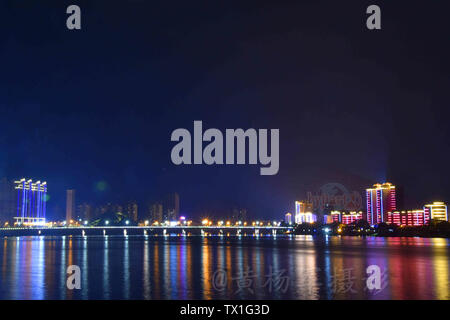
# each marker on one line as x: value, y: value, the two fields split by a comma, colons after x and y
x: 238, y: 232
x: 274, y: 232
x: 125, y: 232
x: 165, y: 232
x: 257, y: 232
x: 145, y: 232
x: 83, y: 233
x: 104, y: 232
x: 202, y: 232
x: 183, y: 232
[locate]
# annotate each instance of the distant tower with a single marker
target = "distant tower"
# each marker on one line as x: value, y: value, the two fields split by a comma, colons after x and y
x: 156, y: 212
x: 132, y: 210
x: 380, y: 200
x: 172, y: 207
x: 70, y: 205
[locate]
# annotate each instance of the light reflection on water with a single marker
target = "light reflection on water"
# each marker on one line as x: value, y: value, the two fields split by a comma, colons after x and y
x: 147, y: 267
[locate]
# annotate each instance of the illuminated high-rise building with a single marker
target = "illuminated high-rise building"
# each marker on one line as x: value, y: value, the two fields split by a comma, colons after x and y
x: 31, y: 202
x: 288, y: 218
x: 303, y: 212
x: 70, y: 205
x: 436, y: 211
x: 380, y: 200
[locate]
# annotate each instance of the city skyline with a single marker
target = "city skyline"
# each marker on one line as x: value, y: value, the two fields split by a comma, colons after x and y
x: 381, y: 207
x: 100, y: 120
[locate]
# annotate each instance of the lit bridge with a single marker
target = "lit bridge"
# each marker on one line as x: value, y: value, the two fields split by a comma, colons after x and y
x: 146, y: 230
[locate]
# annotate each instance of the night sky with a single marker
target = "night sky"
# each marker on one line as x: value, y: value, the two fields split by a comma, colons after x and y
x: 353, y: 106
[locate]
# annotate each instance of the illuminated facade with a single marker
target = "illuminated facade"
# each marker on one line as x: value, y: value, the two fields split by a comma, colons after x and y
x: 346, y: 217
x: 307, y: 217
x: 408, y: 218
x: 31, y: 202
x: 437, y: 211
x: 303, y: 211
x: 327, y: 219
x: 380, y: 200
x: 288, y: 218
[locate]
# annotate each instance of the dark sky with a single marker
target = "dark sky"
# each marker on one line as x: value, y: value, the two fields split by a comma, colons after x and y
x: 98, y: 105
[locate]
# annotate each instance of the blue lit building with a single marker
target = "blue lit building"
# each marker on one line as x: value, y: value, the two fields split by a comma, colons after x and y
x: 31, y: 202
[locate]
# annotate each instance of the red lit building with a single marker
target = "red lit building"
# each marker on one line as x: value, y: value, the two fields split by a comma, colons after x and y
x: 380, y: 200
x: 409, y: 218
x: 346, y: 217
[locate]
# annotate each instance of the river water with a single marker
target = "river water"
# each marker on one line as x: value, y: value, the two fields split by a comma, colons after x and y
x: 195, y: 267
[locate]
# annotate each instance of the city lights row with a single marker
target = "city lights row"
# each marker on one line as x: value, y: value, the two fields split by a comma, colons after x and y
x: 381, y: 204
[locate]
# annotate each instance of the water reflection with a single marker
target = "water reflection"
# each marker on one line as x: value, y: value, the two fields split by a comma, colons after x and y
x: 63, y: 268
x: 440, y: 269
x: 206, y: 269
x: 126, y: 270
x: 146, y: 272
x: 300, y: 267
x: 106, y: 281
x: 84, y: 269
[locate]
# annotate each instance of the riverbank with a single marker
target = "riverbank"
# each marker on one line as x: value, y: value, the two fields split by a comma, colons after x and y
x: 435, y: 229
